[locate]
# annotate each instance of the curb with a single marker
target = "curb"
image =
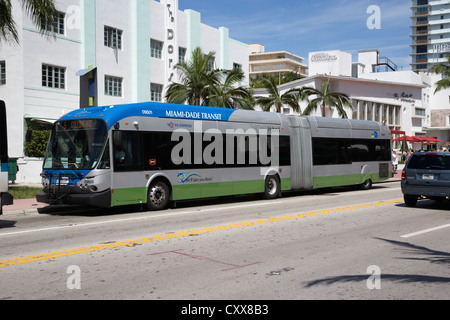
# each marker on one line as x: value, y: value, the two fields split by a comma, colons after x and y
x: 19, y: 212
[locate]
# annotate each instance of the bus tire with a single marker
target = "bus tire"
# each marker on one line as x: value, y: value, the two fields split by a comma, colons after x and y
x: 366, y: 185
x: 272, y: 187
x: 158, y: 195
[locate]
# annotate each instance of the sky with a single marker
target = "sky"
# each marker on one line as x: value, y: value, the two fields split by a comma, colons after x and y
x: 303, y: 26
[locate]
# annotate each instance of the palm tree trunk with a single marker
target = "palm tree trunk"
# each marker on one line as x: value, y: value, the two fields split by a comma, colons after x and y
x: 323, y: 110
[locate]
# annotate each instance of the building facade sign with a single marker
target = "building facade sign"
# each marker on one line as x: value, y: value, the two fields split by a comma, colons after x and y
x: 441, y: 47
x: 323, y: 57
x: 171, y: 41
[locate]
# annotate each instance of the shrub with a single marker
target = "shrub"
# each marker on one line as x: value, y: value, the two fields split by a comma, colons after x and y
x: 36, y: 147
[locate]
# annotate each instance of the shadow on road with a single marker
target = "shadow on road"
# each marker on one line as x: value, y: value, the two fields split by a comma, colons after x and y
x: 64, y: 210
x: 415, y: 252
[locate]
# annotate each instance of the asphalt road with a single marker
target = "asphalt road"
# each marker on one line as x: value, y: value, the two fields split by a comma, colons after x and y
x: 340, y: 244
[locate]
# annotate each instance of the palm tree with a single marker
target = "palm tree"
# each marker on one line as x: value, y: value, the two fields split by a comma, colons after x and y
x: 40, y: 11
x: 226, y: 94
x: 275, y: 98
x: 197, y: 77
x: 325, y: 98
x: 444, y: 70
x: 282, y: 79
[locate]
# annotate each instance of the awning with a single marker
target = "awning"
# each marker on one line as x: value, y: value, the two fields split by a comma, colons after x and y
x: 43, y: 121
x: 83, y: 72
x: 408, y: 138
x: 430, y: 139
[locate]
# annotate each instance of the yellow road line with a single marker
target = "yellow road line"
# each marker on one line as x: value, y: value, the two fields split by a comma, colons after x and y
x: 65, y: 253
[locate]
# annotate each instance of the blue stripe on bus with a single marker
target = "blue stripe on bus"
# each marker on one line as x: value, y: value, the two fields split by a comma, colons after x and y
x: 4, y: 167
x: 113, y: 114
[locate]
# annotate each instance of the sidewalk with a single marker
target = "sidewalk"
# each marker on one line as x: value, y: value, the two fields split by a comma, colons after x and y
x: 23, y: 207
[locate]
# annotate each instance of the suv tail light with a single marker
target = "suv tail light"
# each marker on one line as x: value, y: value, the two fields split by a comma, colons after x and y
x: 403, y: 174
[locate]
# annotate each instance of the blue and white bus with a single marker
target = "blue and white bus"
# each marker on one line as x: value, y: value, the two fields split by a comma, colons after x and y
x: 5, y: 197
x: 153, y: 153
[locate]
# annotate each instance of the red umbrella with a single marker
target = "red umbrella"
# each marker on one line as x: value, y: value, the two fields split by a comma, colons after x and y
x: 408, y: 138
x: 430, y: 139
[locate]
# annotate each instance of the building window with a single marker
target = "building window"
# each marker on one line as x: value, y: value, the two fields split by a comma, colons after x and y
x: 2, y: 72
x: 422, y: 49
x: 156, y: 92
x: 113, y: 86
x: 237, y: 66
x: 211, y: 64
x: 181, y: 54
x: 156, y: 49
x: 113, y: 38
x: 53, y: 77
x: 58, y: 24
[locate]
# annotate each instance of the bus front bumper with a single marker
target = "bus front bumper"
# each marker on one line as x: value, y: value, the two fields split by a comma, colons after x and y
x: 100, y: 199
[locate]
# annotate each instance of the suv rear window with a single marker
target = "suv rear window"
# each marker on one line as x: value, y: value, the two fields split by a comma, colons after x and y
x: 430, y: 161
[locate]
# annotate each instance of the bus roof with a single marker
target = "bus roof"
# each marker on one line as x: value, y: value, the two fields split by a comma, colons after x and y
x: 115, y: 113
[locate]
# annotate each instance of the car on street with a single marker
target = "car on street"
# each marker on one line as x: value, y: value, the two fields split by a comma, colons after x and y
x: 426, y: 175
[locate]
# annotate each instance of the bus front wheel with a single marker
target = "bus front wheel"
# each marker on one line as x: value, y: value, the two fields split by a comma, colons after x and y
x: 158, y: 196
x: 272, y: 187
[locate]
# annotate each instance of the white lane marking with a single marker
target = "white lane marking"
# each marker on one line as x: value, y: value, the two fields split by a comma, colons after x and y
x: 76, y: 225
x: 425, y: 231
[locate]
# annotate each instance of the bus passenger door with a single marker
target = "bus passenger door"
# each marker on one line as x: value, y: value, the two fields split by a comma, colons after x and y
x: 128, y: 180
x: 301, y: 153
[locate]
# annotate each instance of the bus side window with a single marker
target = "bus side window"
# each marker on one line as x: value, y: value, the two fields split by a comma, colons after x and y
x: 127, y: 151
x: 105, y: 162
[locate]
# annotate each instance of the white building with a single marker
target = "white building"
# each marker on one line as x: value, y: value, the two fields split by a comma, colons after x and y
x: 405, y: 100
x: 101, y: 52
x: 274, y: 63
x: 430, y: 33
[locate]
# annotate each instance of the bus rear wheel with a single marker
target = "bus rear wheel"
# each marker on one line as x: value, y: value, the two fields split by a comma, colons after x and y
x: 158, y: 196
x: 366, y: 185
x: 272, y: 187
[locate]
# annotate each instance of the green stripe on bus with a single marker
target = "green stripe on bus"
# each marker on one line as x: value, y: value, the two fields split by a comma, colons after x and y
x: 183, y: 192
x: 127, y: 196
x: 346, y: 180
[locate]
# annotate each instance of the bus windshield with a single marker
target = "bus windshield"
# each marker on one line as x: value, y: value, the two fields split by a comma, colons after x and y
x: 75, y: 144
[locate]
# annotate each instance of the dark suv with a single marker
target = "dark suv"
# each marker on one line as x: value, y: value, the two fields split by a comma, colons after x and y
x: 426, y: 175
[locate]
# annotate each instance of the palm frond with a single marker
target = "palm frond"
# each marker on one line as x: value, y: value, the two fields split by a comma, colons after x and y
x: 325, y: 98
x: 8, y: 28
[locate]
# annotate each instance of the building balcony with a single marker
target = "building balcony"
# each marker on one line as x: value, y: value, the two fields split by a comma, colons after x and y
x: 421, y: 13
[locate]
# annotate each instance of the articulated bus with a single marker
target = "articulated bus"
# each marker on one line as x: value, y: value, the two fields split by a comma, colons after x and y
x: 5, y: 197
x: 156, y: 153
